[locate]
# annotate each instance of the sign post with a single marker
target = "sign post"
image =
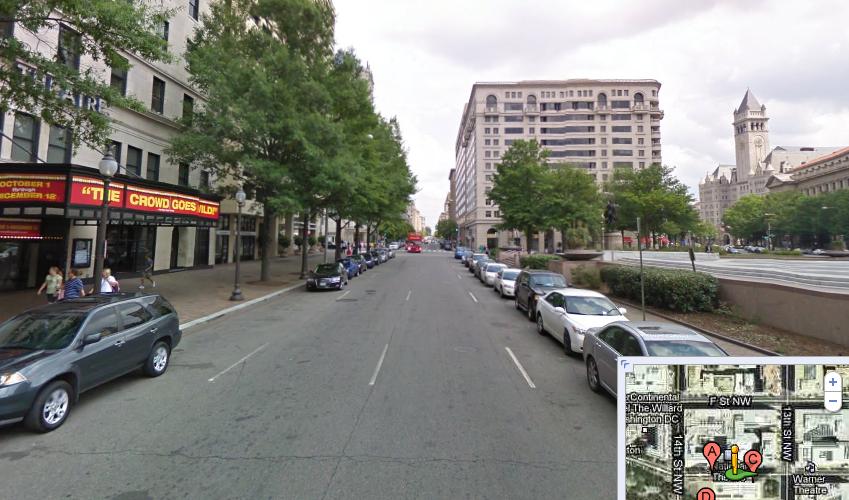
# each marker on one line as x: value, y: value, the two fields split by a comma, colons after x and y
x: 642, y: 280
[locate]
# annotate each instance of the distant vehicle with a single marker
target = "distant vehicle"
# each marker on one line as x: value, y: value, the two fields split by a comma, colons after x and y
x: 489, y: 272
x: 505, y: 282
x: 478, y: 264
x: 369, y: 259
x: 361, y: 261
x: 458, y: 252
x: 569, y: 314
x: 732, y: 249
x: 531, y: 285
x: 414, y: 248
x: 645, y: 338
x: 473, y: 259
x: 390, y: 253
x: 393, y: 246
x: 351, y: 266
x: 382, y: 255
x: 51, y: 354
x: 376, y: 257
x: 327, y: 276
x: 464, y: 258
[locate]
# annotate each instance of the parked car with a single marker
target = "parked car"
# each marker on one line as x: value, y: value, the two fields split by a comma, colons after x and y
x: 645, y: 338
x: 464, y: 259
x: 51, y: 354
x: 382, y: 255
x: 376, y: 257
x: 414, y: 248
x: 490, y: 271
x: 458, y: 252
x: 369, y: 260
x: 505, y: 282
x: 390, y: 253
x: 531, y: 285
x: 569, y: 314
x: 361, y: 262
x: 352, y: 267
x: 327, y: 276
x: 471, y: 261
x: 476, y: 267
x: 393, y: 246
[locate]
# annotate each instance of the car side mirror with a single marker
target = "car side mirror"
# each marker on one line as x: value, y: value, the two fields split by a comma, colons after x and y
x: 92, y: 338
x: 622, y: 311
x: 559, y: 310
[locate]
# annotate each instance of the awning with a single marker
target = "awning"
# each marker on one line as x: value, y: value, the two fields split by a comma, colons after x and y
x: 75, y: 192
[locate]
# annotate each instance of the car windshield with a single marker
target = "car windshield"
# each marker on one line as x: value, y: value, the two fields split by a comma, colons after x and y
x: 494, y: 268
x: 591, y: 306
x: 682, y: 348
x: 40, y: 330
x: 326, y: 268
x: 509, y: 275
x: 548, y: 280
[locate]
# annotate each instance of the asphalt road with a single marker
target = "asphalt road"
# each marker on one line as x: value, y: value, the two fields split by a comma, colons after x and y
x: 290, y: 399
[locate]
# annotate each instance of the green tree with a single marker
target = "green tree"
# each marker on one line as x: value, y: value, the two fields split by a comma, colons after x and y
x: 265, y: 121
x: 571, y: 201
x: 447, y: 229
x: 519, y: 186
x: 49, y: 85
x: 655, y: 196
x: 746, y: 217
x: 396, y: 229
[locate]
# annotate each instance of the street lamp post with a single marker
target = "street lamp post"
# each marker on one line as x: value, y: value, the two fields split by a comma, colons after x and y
x: 108, y: 167
x: 240, y: 202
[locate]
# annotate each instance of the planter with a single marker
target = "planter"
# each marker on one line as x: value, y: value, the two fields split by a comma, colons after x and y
x: 580, y: 254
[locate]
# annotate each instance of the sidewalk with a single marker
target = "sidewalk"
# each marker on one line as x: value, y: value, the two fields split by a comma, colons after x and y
x: 194, y: 293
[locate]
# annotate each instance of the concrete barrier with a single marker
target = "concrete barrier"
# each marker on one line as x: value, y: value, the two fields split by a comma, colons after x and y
x: 683, y: 256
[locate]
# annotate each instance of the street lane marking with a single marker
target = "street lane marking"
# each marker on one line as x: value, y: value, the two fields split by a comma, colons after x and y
x: 408, y: 295
x: 343, y: 295
x: 459, y: 277
x: 521, y: 369
x: 379, y: 364
x: 263, y: 346
x: 473, y: 296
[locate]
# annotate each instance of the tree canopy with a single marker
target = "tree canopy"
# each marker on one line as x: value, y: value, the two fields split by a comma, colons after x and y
x: 447, y: 229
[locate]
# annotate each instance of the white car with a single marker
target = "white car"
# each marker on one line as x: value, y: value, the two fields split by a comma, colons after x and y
x: 490, y: 272
x: 570, y: 313
x: 505, y: 281
x: 393, y: 246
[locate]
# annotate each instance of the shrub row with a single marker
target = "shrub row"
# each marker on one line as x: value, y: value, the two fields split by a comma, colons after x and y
x: 537, y: 261
x: 677, y: 290
x: 586, y: 276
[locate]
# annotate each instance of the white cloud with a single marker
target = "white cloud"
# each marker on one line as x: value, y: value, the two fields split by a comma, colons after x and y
x: 427, y: 54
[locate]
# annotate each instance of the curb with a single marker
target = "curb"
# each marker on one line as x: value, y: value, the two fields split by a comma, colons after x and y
x: 702, y: 330
x: 243, y: 305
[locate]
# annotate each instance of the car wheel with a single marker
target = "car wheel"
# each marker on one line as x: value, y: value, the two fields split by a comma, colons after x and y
x: 501, y: 292
x: 51, y: 408
x: 592, y: 375
x: 567, y: 342
x: 157, y: 360
x: 518, y: 306
x: 531, y: 310
x: 540, y: 325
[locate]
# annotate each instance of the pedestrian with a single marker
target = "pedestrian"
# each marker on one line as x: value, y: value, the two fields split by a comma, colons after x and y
x: 52, y: 285
x: 74, y: 286
x: 147, y: 272
x: 109, y: 284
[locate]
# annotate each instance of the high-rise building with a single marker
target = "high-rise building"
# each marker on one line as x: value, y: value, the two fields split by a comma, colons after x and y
x: 597, y: 125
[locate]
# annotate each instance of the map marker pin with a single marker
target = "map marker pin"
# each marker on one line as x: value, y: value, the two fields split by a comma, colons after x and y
x: 753, y: 460
x: 706, y: 494
x: 711, y: 451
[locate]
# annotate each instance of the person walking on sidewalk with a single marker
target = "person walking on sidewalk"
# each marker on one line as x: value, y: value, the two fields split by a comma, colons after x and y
x: 147, y: 273
x: 52, y: 284
x: 74, y: 286
x: 109, y: 284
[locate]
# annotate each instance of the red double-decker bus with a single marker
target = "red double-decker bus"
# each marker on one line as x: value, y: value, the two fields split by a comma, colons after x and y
x: 414, y: 243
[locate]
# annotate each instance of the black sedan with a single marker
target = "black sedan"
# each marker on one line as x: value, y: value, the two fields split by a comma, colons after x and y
x: 361, y: 261
x: 327, y: 276
x: 51, y: 354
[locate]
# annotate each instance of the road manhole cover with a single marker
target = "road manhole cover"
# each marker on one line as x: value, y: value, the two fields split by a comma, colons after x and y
x: 371, y: 292
x: 465, y: 349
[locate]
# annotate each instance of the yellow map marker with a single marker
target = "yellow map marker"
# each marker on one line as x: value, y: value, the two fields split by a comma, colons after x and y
x: 734, y: 450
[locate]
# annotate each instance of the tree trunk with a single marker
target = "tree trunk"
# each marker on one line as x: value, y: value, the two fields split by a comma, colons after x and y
x: 338, y: 253
x: 368, y: 236
x: 528, y: 234
x: 269, y: 227
x: 357, y: 237
x: 305, y: 245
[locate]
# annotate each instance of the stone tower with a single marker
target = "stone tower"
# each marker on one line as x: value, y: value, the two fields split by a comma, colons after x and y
x: 751, y: 135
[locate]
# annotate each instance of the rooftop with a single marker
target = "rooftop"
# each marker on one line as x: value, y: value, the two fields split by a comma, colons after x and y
x: 822, y: 159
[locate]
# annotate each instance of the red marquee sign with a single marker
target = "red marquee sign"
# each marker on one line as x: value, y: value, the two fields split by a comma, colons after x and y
x: 18, y: 188
x: 16, y: 228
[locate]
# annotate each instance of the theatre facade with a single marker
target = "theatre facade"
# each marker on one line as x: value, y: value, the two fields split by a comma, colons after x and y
x: 49, y: 215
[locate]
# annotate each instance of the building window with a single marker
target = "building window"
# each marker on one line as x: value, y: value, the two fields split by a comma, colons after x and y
x: 134, y: 160
x: 489, y: 213
x: 164, y: 28
x: 118, y: 80
x: 488, y: 166
x: 188, y: 108
x: 495, y: 130
x: 603, y: 152
x: 622, y: 140
x: 603, y: 128
x: 492, y: 102
x: 486, y: 142
x: 495, y: 142
x: 514, y: 130
x: 532, y: 119
x: 59, y: 146
x: 183, y: 174
x: 7, y: 29
x: 24, y: 138
x: 204, y: 181
x: 621, y: 128
x: 641, y: 152
x: 68, y: 51
x: 157, y: 97
x: 152, y: 167
x: 487, y: 154
x: 116, y: 151
x: 194, y: 9
x: 487, y: 130
x: 497, y: 213
x: 532, y: 130
x: 640, y: 140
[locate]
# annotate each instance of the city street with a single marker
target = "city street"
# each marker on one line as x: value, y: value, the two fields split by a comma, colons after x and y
x: 401, y: 386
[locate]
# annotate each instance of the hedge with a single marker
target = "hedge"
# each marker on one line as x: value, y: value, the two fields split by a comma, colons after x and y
x: 537, y: 261
x: 673, y: 289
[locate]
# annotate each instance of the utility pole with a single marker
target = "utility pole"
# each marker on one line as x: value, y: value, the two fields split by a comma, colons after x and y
x: 642, y: 280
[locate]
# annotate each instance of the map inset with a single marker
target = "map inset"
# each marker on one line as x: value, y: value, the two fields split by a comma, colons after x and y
x: 710, y: 432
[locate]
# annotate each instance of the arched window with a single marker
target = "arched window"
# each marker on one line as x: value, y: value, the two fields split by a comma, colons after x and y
x: 602, y: 100
x: 638, y: 98
x: 492, y: 231
x: 491, y: 101
x: 532, y: 99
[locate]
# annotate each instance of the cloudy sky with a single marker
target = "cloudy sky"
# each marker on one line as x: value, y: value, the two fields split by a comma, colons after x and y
x: 426, y: 55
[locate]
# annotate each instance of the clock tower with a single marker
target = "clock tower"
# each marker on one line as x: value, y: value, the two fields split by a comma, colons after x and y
x: 751, y: 135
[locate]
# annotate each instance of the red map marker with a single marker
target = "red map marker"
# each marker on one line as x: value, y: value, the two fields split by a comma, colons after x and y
x: 706, y: 494
x: 753, y: 460
x: 711, y: 451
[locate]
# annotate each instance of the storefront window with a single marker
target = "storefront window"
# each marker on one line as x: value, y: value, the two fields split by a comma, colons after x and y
x: 248, y: 248
x: 248, y: 224
x: 11, y: 258
x: 222, y: 244
x: 224, y: 222
x: 127, y: 247
x: 202, y: 247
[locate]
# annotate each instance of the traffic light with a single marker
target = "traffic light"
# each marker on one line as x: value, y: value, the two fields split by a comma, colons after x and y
x: 610, y: 214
